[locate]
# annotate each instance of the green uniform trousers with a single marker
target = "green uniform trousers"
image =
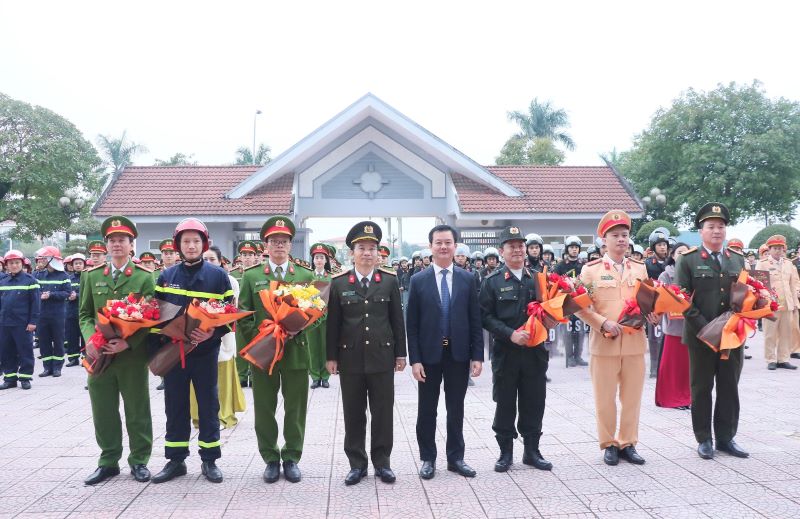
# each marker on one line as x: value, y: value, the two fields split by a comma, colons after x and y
x: 127, y: 376
x: 318, y: 354
x: 706, y: 367
x: 293, y: 385
x: 242, y: 366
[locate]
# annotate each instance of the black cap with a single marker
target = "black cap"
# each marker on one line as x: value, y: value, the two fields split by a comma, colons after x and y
x: 712, y: 210
x: 364, y: 231
x: 510, y: 233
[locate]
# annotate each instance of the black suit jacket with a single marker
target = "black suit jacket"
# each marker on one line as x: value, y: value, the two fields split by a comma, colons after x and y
x: 365, y: 331
x: 423, y: 316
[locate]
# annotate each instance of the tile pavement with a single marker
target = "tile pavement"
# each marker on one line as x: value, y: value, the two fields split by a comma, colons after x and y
x: 47, y: 447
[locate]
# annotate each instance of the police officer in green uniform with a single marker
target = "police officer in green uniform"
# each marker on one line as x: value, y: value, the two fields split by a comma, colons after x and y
x: 127, y: 374
x: 97, y: 252
x: 708, y: 272
x: 320, y: 259
x: 366, y: 343
x: 518, y: 372
x: 148, y: 261
x: 249, y: 256
x: 290, y: 374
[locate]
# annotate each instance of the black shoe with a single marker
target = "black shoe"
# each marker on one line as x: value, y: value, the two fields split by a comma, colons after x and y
x: 706, y: 450
x: 8, y: 384
x: 470, y: 382
x: 653, y: 374
x: 354, y: 476
x: 243, y: 382
x: 571, y: 362
x: 160, y: 387
x: 291, y: 471
x: 101, y: 474
x: 580, y: 362
x: 795, y: 355
x: 731, y: 448
x: 786, y: 365
x: 460, y: 468
x: 325, y: 384
x: 748, y: 357
x: 547, y: 379
x: 46, y: 373
x: 315, y: 384
x: 26, y: 384
x: 386, y: 474
x: 772, y: 366
x: 140, y: 473
x: 72, y: 362
x: 631, y: 456
x: 535, y: 459
x: 273, y: 472
x: 428, y: 470
x: 56, y: 372
x: 171, y: 470
x: 611, y: 455
x: 506, y: 458
x: 211, y: 471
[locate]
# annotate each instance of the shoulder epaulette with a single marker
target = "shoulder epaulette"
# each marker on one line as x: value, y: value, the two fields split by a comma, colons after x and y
x: 303, y: 263
x: 251, y: 267
x: 340, y: 274
x: 594, y: 262
x: 493, y: 273
x: 734, y: 251
x: 93, y: 268
x: 640, y: 262
x: 388, y: 271
x: 691, y: 250
x: 140, y: 267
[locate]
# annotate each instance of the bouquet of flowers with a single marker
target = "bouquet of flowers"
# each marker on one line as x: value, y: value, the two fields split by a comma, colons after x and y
x: 633, y: 316
x: 558, y: 297
x: 672, y: 300
x: 205, y: 315
x: 119, y: 319
x: 750, y: 300
x: 291, y: 308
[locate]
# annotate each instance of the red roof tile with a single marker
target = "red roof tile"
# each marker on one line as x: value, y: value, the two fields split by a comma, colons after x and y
x: 547, y: 189
x: 195, y: 190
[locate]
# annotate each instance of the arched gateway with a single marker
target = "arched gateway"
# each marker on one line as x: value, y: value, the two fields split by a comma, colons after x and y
x: 368, y: 160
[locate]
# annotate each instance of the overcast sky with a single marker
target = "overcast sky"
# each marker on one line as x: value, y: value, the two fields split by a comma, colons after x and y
x: 188, y: 76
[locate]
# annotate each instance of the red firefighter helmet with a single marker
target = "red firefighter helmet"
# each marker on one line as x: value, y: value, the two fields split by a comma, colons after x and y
x: 191, y: 224
x: 14, y: 254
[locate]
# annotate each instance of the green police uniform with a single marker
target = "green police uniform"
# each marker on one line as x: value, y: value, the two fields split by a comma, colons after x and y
x: 366, y: 335
x: 242, y: 366
x: 290, y: 374
x: 316, y: 337
x: 699, y: 273
x: 127, y: 375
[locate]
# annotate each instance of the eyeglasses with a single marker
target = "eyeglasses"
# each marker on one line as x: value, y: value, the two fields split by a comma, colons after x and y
x: 278, y: 242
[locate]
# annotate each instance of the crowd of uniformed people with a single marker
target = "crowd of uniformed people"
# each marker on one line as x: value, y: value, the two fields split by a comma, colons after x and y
x: 442, y: 308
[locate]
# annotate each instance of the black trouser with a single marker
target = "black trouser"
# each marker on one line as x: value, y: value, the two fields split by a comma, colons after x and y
x: 378, y: 390
x: 706, y: 366
x: 518, y: 377
x: 73, y: 338
x: 201, y: 370
x: 456, y: 377
x: 16, y: 352
x: 655, y: 341
x: 51, y: 342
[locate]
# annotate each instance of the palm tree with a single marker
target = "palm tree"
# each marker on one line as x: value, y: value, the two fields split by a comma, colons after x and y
x: 117, y: 153
x: 543, y: 122
x: 244, y: 155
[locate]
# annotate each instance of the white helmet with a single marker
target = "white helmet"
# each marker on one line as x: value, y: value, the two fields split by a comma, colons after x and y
x: 572, y: 240
x: 532, y: 238
x: 583, y: 255
x: 78, y: 256
x: 548, y: 248
x: 598, y: 242
x: 426, y: 253
x: 476, y: 255
x: 462, y: 250
x: 416, y: 254
x: 491, y: 251
x: 639, y: 249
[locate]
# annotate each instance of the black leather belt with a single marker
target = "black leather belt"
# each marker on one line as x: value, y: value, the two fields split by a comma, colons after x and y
x: 445, y: 342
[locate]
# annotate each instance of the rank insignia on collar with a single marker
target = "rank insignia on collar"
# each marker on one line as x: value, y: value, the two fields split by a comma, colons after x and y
x: 704, y: 254
x: 727, y: 253
x: 128, y: 271
x: 352, y: 279
x: 507, y: 275
x: 290, y: 268
x: 266, y: 269
x: 608, y: 267
x: 377, y: 277
x: 106, y: 271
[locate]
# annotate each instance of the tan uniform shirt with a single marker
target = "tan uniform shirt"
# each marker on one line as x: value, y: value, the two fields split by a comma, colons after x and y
x: 783, y: 279
x: 609, y: 291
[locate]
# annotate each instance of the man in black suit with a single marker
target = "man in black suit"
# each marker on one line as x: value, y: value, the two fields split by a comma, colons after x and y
x: 443, y: 325
x: 366, y: 343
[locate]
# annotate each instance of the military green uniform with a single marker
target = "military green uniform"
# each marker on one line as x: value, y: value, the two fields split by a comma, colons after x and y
x: 126, y: 376
x: 316, y: 342
x: 242, y: 366
x: 710, y: 281
x: 290, y: 374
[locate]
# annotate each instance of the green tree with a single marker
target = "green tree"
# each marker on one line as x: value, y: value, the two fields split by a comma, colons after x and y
x: 244, y: 155
x: 643, y: 234
x: 732, y: 144
x: 118, y: 153
x: 539, y: 151
x: 87, y: 226
x: 542, y: 121
x: 74, y: 245
x: 791, y: 234
x: 179, y: 159
x: 42, y: 154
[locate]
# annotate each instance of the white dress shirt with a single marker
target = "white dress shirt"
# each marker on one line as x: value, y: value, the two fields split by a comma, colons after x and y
x: 368, y: 276
x: 273, y: 267
x: 517, y: 273
x: 437, y: 273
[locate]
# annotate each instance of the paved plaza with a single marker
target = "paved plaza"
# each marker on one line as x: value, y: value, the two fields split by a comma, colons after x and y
x: 48, y: 448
